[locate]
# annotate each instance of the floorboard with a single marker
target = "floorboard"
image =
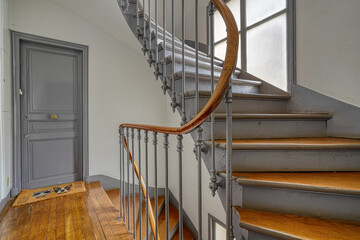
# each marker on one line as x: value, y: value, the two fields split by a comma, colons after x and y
x: 89, y: 215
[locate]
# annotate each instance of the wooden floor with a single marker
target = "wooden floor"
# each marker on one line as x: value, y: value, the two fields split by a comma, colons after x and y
x: 89, y: 215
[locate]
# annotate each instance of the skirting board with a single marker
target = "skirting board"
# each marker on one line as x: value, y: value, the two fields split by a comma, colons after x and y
x: 4, y: 201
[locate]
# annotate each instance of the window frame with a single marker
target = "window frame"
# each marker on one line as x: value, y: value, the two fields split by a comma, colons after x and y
x: 289, y: 10
x: 211, y: 230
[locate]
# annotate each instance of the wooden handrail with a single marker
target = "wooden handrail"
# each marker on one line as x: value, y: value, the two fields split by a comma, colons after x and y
x: 143, y: 187
x: 222, y: 86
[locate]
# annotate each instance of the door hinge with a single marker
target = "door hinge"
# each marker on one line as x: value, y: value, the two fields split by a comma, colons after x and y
x: 21, y: 92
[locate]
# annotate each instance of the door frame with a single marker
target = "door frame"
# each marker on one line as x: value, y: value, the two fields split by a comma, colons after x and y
x: 16, y: 39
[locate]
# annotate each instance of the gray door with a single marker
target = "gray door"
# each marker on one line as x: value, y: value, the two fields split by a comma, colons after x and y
x: 51, y: 113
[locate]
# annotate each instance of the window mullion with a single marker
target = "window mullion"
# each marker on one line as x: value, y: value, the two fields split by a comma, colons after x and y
x: 243, y: 34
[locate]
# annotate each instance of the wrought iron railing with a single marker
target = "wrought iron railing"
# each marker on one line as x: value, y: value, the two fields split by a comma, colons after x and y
x: 131, y: 163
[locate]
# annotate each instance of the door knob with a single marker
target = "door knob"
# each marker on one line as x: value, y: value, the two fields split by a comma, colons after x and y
x: 27, y: 135
x: 53, y: 116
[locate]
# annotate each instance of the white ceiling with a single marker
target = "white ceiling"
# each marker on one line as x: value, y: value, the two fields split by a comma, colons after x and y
x: 105, y: 14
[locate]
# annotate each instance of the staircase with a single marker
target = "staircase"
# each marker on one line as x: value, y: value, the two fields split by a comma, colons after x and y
x: 295, y: 182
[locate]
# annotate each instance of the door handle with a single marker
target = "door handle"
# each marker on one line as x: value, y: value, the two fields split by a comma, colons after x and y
x: 53, y: 116
x: 27, y: 135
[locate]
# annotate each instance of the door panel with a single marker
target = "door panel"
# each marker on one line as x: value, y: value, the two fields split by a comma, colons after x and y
x: 51, y: 117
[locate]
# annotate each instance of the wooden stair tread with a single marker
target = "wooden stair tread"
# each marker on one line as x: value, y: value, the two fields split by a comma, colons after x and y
x: 292, y: 144
x: 260, y: 96
x: 297, y: 227
x: 333, y: 182
x: 277, y: 116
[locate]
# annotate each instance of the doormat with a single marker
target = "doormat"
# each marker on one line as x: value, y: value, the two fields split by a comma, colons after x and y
x: 36, y: 195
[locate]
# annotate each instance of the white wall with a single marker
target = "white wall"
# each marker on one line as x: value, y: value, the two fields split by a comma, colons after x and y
x: 5, y: 100
x: 328, y: 47
x: 121, y: 84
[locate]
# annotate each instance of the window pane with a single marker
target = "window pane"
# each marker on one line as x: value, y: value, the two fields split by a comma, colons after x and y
x: 220, y: 231
x: 219, y: 25
x: 266, y: 51
x: 257, y: 10
x: 220, y: 50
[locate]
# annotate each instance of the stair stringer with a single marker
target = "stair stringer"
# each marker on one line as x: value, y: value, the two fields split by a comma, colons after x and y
x: 345, y: 121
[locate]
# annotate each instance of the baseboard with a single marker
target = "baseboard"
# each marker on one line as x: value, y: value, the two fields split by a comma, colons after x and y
x: 4, y: 201
x: 106, y: 182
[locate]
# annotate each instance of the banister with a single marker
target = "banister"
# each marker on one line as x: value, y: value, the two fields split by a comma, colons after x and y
x: 222, y: 86
x: 143, y: 187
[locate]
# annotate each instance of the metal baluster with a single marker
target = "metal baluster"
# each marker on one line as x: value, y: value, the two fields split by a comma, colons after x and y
x: 133, y: 180
x: 183, y: 111
x: 120, y: 142
x: 140, y: 191
x: 137, y: 20
x: 146, y: 139
x: 150, y: 60
x: 199, y: 142
x: 166, y: 146
x: 229, y: 225
x: 156, y: 41
x: 198, y: 152
x: 144, y: 30
x: 179, y: 150
x: 174, y: 104
x: 213, y: 178
x: 122, y: 205
x: 128, y: 179
x: 164, y: 72
x: 156, y: 190
x: 197, y: 54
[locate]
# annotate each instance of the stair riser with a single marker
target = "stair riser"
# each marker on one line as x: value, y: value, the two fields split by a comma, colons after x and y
x: 242, y: 129
x: 239, y: 106
x: 297, y: 161
x: 306, y: 203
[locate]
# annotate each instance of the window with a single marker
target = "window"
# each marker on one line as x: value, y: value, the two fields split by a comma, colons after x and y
x: 217, y: 230
x: 265, y: 34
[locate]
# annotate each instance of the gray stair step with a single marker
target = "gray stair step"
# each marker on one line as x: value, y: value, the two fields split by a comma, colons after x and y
x: 188, y: 53
x: 333, y: 195
x: 242, y: 103
x: 239, y: 85
x: 327, y: 182
x: 256, y: 126
x: 302, y: 154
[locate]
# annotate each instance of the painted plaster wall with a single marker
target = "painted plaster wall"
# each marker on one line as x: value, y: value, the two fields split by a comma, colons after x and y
x: 328, y: 48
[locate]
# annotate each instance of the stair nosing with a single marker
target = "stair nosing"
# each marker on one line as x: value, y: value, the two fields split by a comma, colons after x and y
x: 276, y: 116
x: 289, y: 146
x: 296, y: 186
x: 298, y: 221
x: 252, y: 96
x: 235, y: 80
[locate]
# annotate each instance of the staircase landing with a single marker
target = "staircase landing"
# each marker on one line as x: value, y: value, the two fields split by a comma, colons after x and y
x: 89, y: 215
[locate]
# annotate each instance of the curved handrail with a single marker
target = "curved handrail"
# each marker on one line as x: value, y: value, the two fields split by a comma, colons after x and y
x: 222, y: 86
